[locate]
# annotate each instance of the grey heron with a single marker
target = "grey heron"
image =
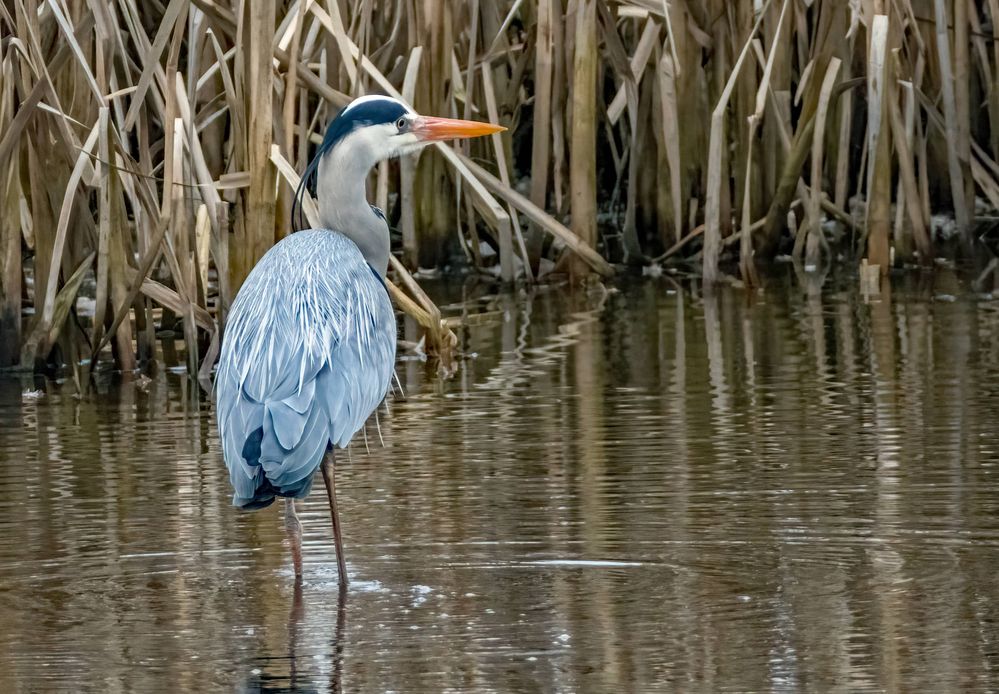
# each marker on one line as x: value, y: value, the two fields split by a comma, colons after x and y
x: 309, y: 347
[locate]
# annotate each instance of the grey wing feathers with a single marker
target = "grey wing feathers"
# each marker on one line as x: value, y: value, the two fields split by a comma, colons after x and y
x: 307, y: 356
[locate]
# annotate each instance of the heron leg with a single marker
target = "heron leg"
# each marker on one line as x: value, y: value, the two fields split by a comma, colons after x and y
x: 327, y: 466
x: 294, y: 528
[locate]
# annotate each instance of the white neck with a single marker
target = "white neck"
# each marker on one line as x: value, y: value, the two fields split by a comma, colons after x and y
x: 343, y: 203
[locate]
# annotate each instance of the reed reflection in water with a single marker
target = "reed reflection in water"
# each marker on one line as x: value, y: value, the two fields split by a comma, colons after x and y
x: 625, y: 491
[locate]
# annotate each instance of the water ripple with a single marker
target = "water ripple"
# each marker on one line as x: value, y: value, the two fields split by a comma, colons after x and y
x: 620, y: 491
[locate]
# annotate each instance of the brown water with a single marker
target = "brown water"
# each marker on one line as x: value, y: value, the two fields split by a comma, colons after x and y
x: 639, y: 491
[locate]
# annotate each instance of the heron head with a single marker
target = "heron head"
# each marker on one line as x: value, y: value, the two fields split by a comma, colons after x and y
x: 373, y: 128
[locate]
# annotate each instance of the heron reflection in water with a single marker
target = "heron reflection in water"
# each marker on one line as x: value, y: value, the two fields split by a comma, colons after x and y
x: 309, y: 347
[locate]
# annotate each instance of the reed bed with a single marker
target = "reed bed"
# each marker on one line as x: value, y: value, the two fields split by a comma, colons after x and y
x: 149, y: 150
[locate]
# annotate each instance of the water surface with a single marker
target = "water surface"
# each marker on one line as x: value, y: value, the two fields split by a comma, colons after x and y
x: 639, y: 489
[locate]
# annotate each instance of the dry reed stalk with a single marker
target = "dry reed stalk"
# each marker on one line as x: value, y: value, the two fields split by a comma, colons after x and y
x: 511, y: 227
x: 746, y: 263
x: 174, y: 15
x: 343, y: 43
x: 743, y: 106
x: 779, y: 82
x: 125, y: 350
x: 586, y: 253
x: 506, y: 245
x: 203, y: 245
x: 902, y: 136
x: 979, y: 39
x: 10, y: 234
x: 434, y: 198
x: 653, y: 207
x: 922, y: 160
x: 902, y: 235
x: 666, y: 71
x: 201, y: 181
x: 815, y: 238
x: 878, y: 148
x: 258, y: 202
x: 983, y: 167
x: 558, y: 119
x: 12, y: 134
x: 70, y: 35
x: 10, y: 272
x: 407, y: 170
x: 178, y: 251
x: 583, y: 132
x: 828, y: 31
x: 842, y: 183
x: 747, y: 266
x: 787, y: 187
x: 160, y: 231
x: 712, y: 212
x: 637, y: 63
x: 993, y: 91
x: 135, y: 278
x: 46, y: 333
x: 170, y: 299
x: 471, y: 245
x: 962, y: 107
x: 961, y: 209
x: 440, y: 340
x: 626, y: 68
x: 48, y: 316
x: 288, y: 108
x: 844, y: 112
x: 544, y: 56
x: 104, y: 221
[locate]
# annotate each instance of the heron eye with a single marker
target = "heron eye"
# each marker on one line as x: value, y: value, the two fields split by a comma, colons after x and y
x: 401, y: 124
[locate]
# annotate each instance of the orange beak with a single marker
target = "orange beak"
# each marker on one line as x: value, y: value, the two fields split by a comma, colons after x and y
x: 430, y: 129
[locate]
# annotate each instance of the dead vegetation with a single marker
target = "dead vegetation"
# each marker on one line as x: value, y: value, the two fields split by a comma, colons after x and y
x: 148, y: 150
